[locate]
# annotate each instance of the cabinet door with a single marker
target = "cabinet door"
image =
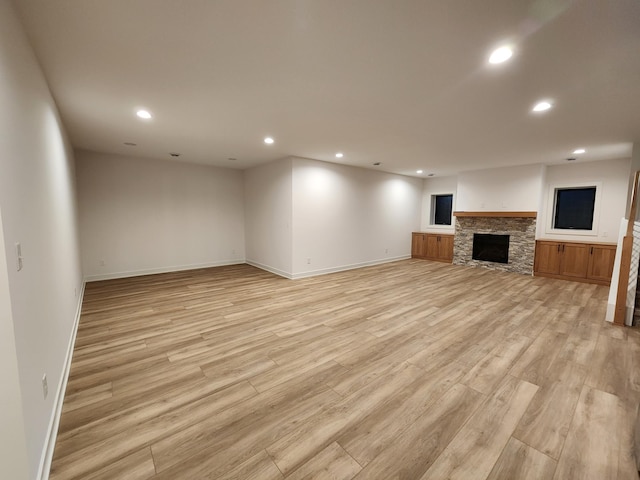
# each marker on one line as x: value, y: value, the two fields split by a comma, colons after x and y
x: 575, y: 260
x: 417, y: 245
x: 601, y: 258
x: 548, y: 257
x: 445, y: 247
x: 432, y: 246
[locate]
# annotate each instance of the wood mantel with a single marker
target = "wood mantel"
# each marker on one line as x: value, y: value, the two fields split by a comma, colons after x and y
x: 497, y: 214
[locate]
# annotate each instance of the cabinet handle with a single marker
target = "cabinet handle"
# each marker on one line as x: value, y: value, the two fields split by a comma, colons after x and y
x: 591, y: 252
x: 558, y: 248
x: 563, y: 247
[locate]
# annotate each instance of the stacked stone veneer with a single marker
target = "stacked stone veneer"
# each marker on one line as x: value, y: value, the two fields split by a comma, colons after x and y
x: 522, y: 242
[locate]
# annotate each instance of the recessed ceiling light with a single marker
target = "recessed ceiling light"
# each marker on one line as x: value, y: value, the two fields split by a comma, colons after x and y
x: 233, y: 159
x: 143, y: 114
x: 500, y: 55
x: 174, y: 154
x: 431, y: 175
x: 578, y: 151
x: 542, y: 106
x: 418, y: 171
x: 571, y: 159
x: 130, y: 144
x: 377, y: 164
x: 339, y: 155
x: 268, y: 140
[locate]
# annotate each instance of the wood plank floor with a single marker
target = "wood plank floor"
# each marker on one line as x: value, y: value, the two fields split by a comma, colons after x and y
x: 408, y: 370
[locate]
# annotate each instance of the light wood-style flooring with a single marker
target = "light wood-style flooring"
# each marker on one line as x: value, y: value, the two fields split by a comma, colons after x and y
x: 410, y: 370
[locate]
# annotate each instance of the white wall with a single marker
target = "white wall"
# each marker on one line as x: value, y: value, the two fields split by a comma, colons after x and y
x: 268, y: 204
x: 39, y: 211
x: 344, y: 217
x: 141, y: 216
x: 13, y: 447
x: 500, y: 189
x: 437, y: 186
x: 613, y: 175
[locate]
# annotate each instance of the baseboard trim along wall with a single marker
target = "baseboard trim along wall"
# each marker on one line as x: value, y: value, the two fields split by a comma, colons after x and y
x: 342, y: 268
x: 269, y: 269
x: 324, y: 271
x: 54, y: 422
x: 151, y: 271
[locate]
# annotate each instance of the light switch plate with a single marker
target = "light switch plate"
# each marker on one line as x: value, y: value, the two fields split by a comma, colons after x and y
x: 19, y: 264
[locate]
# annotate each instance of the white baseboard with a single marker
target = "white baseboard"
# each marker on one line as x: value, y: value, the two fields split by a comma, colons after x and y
x: 54, y: 421
x: 151, y: 271
x: 261, y: 266
x: 269, y: 269
x: 324, y: 271
x: 342, y: 268
x: 611, y: 313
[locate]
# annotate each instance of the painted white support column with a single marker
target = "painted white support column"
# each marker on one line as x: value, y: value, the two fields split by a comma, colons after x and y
x: 633, y: 275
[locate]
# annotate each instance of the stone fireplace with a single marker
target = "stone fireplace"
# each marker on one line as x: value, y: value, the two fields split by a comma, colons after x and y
x: 520, y: 227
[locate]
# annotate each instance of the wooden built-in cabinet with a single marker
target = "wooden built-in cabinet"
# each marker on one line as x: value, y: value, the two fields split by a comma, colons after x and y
x: 432, y: 246
x: 583, y: 262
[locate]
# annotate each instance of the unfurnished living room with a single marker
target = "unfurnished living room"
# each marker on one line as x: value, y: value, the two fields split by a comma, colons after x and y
x: 319, y: 239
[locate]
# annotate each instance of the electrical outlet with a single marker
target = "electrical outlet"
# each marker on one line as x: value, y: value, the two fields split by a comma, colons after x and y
x: 386, y: 250
x: 101, y: 263
x: 308, y: 261
x: 233, y: 252
x: 75, y: 292
x: 45, y: 386
x: 604, y: 234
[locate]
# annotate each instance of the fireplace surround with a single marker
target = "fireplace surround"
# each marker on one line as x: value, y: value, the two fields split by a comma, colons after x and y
x: 519, y: 226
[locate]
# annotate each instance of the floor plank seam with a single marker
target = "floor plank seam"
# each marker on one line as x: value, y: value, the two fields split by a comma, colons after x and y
x: 155, y: 465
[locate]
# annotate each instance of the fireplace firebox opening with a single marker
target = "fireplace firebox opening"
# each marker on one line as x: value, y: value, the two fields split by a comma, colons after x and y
x: 491, y: 248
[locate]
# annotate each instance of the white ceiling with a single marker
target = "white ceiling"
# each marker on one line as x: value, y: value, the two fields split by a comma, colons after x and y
x: 402, y: 82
